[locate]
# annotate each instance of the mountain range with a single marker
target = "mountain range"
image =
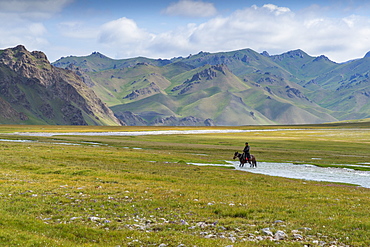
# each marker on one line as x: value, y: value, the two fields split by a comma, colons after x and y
x: 233, y: 88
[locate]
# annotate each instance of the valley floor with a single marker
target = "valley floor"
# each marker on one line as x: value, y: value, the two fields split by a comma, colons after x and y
x: 84, y: 190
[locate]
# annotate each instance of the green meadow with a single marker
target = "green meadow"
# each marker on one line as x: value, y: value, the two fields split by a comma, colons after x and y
x: 141, y: 190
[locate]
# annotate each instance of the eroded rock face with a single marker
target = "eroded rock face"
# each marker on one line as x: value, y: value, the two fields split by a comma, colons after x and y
x: 151, y: 89
x: 131, y: 119
x: 82, y: 74
x: 204, y: 75
x: 9, y: 114
x: 186, y: 121
x: 35, y: 89
x: 293, y: 92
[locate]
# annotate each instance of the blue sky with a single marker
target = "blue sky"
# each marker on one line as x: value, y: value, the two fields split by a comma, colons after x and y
x: 169, y: 28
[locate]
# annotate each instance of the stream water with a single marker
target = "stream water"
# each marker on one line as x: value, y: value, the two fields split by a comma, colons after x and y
x: 139, y: 133
x: 306, y: 172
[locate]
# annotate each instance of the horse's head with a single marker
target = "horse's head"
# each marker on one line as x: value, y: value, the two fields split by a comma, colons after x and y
x: 236, y: 155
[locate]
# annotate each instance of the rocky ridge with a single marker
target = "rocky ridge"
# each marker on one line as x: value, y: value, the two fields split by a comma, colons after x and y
x: 34, y: 91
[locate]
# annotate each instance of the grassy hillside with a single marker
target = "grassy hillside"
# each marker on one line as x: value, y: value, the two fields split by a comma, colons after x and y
x: 303, y: 66
x: 197, y: 92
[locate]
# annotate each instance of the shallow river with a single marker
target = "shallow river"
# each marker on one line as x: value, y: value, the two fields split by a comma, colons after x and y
x: 289, y: 170
x: 140, y: 133
x: 307, y: 172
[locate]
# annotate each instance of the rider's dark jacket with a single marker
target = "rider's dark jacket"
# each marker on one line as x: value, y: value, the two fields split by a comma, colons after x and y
x: 246, y: 152
x: 246, y: 149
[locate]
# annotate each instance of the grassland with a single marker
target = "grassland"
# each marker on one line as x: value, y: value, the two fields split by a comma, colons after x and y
x: 140, y: 191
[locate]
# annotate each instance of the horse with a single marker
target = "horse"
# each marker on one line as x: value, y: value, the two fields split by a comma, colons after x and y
x: 253, y: 161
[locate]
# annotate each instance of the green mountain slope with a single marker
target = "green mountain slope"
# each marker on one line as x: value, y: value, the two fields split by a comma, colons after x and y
x: 303, y: 66
x: 241, y: 62
x: 228, y: 88
x: 345, y: 90
x: 214, y: 92
x: 97, y: 62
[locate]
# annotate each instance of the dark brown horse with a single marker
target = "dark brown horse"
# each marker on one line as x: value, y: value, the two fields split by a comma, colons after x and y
x: 253, y: 161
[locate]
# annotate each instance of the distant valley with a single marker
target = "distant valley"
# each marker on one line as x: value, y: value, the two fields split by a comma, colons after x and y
x: 223, y: 89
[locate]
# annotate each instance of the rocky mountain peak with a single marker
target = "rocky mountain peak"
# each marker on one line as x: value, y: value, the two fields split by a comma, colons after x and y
x: 33, y: 87
x: 296, y: 53
x: 40, y: 55
x: 21, y: 48
x: 28, y: 64
x: 265, y: 53
x: 98, y: 54
x: 322, y: 58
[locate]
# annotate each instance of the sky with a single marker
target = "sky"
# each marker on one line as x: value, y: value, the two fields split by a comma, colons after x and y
x: 338, y: 29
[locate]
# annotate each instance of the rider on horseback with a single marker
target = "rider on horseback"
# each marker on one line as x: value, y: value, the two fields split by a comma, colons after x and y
x: 246, y: 153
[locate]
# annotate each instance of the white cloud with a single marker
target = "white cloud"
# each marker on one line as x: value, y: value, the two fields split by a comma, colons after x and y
x: 190, y: 8
x: 77, y: 30
x: 23, y: 22
x: 125, y: 36
x: 33, y: 9
x: 29, y: 34
x: 275, y: 9
x: 174, y: 43
x: 120, y: 31
x: 37, y: 29
x: 269, y: 27
x: 272, y: 28
x: 253, y: 27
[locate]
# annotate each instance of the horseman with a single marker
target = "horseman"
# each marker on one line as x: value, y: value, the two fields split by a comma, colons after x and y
x: 246, y: 153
